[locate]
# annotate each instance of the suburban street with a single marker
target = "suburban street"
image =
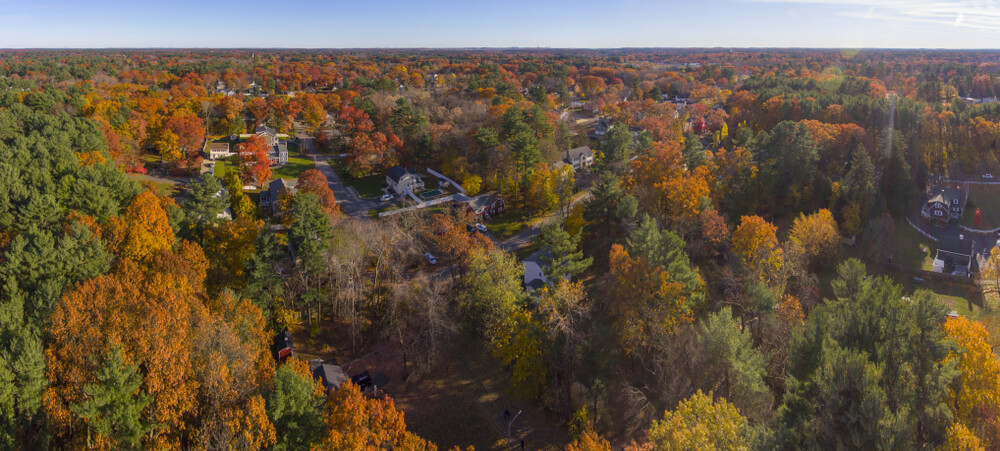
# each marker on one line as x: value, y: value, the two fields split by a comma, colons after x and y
x: 350, y: 203
x: 526, y: 236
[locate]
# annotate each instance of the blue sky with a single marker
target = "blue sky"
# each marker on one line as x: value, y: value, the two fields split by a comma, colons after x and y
x: 484, y: 23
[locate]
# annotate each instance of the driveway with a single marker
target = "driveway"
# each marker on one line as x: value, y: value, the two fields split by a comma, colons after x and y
x: 526, y: 236
x: 984, y: 241
x: 350, y: 203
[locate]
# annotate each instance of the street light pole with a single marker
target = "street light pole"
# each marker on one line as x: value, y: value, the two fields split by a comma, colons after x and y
x: 508, y: 427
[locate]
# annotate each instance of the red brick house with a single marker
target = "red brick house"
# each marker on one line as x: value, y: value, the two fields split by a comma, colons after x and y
x: 486, y: 205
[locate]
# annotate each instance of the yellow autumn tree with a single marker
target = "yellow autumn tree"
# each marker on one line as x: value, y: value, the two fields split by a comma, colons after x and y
x: 142, y: 229
x: 698, y: 423
x: 975, y: 398
x: 756, y: 242
x: 960, y: 438
x: 519, y: 346
x: 647, y: 305
x: 816, y: 235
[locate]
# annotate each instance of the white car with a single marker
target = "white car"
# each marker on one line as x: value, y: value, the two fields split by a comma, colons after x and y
x: 987, y: 176
x: 386, y: 197
x: 480, y: 227
x: 430, y: 258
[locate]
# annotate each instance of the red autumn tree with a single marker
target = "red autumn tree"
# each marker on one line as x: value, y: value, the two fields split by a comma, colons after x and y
x: 313, y: 181
x: 368, y: 151
x: 190, y: 131
x: 254, y: 161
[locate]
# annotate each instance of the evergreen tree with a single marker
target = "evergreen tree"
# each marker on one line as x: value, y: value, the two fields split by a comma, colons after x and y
x: 666, y: 249
x: 113, y: 406
x: 694, y: 152
x: 730, y: 348
x: 205, y: 202
x: 295, y: 410
x: 562, y: 252
x: 311, y: 231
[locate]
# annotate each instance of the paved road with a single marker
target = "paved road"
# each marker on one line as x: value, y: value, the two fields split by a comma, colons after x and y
x: 350, y: 203
x: 526, y: 236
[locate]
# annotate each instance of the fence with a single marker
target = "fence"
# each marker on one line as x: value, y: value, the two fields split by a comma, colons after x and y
x: 922, y: 232
x: 442, y: 176
x: 429, y: 203
x: 924, y: 274
x: 979, y: 231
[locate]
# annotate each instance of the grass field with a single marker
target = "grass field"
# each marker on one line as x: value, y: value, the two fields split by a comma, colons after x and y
x: 508, y: 223
x: 370, y: 186
x: 295, y: 166
x: 987, y: 199
x: 221, y: 166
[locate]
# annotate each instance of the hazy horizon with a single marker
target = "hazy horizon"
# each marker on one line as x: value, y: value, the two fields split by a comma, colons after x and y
x: 447, y: 24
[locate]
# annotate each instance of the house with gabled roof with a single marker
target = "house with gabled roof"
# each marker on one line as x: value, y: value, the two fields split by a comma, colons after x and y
x: 403, y: 180
x: 272, y: 194
x: 944, y: 203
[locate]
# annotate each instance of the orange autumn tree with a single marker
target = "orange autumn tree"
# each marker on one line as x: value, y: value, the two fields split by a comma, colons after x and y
x: 255, y: 164
x: 356, y: 422
x: 142, y: 229
x: 756, y: 242
x: 450, y: 235
x: 149, y: 315
x: 313, y: 181
x: 662, y: 184
x: 647, y: 305
x: 231, y: 360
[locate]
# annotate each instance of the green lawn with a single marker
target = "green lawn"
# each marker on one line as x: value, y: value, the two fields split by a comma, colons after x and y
x: 987, y: 199
x: 221, y: 166
x: 508, y: 223
x: 910, y: 248
x: 295, y: 166
x: 370, y: 186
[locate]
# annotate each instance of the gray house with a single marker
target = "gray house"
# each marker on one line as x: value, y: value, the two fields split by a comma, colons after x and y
x: 274, y: 189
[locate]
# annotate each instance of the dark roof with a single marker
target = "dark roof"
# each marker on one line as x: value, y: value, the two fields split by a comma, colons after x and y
x: 265, y: 129
x: 956, y: 246
x: 275, y: 188
x: 330, y: 375
x: 480, y: 202
x: 278, y: 149
x: 578, y: 152
x: 283, y: 340
x: 397, y: 172
x: 946, y: 195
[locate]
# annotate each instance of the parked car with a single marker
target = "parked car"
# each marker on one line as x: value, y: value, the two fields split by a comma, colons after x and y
x: 480, y: 227
x: 987, y: 176
x: 430, y: 258
x: 470, y: 227
x: 386, y: 197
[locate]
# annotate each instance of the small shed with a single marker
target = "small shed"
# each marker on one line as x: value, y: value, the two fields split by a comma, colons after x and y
x: 330, y: 375
x: 284, y: 346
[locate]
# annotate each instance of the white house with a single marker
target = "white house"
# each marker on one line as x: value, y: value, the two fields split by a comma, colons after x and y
x: 534, y: 277
x: 219, y: 150
x: 403, y: 180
